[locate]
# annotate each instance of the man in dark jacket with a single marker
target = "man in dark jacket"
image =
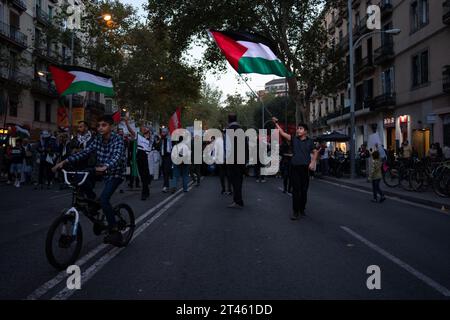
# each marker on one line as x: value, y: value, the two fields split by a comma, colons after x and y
x: 235, y: 168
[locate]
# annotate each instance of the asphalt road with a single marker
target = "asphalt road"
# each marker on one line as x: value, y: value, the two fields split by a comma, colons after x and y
x: 190, y: 246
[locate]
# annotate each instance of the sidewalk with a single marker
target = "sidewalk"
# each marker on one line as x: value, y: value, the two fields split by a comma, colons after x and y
x: 428, y: 198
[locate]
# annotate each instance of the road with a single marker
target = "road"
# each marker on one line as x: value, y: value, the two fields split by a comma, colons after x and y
x: 190, y: 246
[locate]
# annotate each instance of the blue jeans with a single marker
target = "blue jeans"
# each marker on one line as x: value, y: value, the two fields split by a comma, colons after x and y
x: 182, y: 171
x: 111, y: 185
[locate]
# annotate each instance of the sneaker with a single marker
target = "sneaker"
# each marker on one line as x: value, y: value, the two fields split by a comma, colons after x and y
x: 234, y: 205
x: 382, y: 199
x: 263, y: 180
x: 17, y: 185
x: 303, y: 213
x: 114, y: 238
x: 258, y: 181
x: 295, y: 216
x: 165, y: 190
x: 8, y: 182
x: 374, y: 200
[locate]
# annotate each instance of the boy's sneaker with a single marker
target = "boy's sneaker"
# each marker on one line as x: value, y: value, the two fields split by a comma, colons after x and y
x: 382, y: 199
x: 115, y: 238
x: 263, y: 180
x: 374, y: 200
x: 257, y: 180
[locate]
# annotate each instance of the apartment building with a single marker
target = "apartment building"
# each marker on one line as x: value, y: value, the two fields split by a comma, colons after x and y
x: 402, y: 82
x: 27, y: 96
x: 278, y: 87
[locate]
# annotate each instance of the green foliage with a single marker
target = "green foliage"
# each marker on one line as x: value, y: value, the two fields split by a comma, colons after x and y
x: 295, y: 26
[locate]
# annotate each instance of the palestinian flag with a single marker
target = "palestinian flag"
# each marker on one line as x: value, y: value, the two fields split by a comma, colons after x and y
x: 249, y: 53
x: 70, y: 80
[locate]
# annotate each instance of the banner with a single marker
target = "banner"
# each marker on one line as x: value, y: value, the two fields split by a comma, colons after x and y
x: 77, y: 115
x: 62, y: 119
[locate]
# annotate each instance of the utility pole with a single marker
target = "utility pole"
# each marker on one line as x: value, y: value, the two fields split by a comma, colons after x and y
x: 352, y: 93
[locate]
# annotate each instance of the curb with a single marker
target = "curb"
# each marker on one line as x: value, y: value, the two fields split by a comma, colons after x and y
x: 431, y: 203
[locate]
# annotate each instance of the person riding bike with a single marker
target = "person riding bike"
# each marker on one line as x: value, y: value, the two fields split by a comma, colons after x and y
x: 109, y: 149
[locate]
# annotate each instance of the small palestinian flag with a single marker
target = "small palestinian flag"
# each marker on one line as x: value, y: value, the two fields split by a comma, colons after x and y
x: 70, y: 80
x: 249, y: 53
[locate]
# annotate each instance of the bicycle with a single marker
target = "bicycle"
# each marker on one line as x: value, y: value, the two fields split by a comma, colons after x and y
x: 65, y: 233
x: 441, y: 180
x: 397, y: 175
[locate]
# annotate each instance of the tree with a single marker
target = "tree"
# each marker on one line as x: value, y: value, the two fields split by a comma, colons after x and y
x: 295, y: 26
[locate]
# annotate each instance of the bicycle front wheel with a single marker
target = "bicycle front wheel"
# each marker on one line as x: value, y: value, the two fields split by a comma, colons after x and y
x: 62, y: 248
x: 391, y: 177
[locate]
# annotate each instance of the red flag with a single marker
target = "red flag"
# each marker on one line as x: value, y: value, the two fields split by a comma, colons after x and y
x: 116, y: 117
x: 62, y: 78
x: 175, y: 121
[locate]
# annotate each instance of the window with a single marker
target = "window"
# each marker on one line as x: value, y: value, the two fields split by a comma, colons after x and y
x: 420, y: 69
x: 387, y: 81
x: 48, y: 112
x: 419, y: 14
x: 37, y: 111
x: 13, y: 104
x: 50, y: 12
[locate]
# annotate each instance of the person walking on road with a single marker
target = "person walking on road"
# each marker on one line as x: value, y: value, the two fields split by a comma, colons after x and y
x: 144, y: 142
x: 165, y: 150
x: 301, y: 164
x: 234, y: 169
x: 17, y: 158
x: 180, y: 170
x: 375, y: 177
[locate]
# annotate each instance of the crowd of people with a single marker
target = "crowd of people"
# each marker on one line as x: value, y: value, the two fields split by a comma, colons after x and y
x: 144, y: 154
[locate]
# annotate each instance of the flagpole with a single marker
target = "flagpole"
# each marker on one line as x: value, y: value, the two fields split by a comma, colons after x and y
x: 260, y: 100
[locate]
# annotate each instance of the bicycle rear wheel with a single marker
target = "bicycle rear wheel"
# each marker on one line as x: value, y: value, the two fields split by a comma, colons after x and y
x: 125, y: 221
x: 417, y: 179
x: 61, y: 247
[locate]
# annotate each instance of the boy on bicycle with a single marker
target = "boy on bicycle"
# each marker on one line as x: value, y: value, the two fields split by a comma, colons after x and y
x: 109, y: 149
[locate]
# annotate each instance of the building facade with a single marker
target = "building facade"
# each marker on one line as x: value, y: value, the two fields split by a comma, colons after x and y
x: 27, y: 95
x: 401, y: 81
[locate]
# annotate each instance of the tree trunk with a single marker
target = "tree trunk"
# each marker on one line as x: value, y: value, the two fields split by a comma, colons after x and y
x: 301, y: 108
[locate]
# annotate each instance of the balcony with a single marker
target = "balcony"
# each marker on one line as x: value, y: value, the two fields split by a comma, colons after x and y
x: 45, y: 88
x: 386, y: 8
x: 446, y: 79
x: 42, y: 17
x: 19, y: 5
x: 319, y: 123
x: 47, y: 54
x: 364, y: 65
x: 14, y: 77
x: 13, y: 35
x: 382, y: 101
x: 95, y: 106
x: 384, y: 53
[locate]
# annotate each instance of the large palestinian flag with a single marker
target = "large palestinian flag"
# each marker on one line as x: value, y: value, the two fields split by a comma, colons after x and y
x: 249, y: 53
x: 70, y: 80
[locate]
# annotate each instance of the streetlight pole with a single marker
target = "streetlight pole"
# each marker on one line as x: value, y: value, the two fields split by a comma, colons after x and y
x: 72, y: 61
x: 352, y: 92
x: 352, y: 82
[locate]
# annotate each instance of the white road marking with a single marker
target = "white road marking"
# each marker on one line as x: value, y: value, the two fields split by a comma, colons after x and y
x: 46, y: 287
x: 100, y: 263
x: 418, y: 205
x: 441, y: 289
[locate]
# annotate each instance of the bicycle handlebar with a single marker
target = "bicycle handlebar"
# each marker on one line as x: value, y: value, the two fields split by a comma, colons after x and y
x: 84, y: 173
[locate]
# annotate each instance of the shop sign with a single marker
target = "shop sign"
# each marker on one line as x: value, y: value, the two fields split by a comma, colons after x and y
x: 389, y: 122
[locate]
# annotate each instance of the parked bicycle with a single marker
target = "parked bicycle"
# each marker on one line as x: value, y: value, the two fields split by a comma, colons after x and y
x: 65, y: 236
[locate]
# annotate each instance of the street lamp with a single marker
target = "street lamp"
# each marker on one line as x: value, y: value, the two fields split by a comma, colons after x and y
x: 106, y: 17
x: 352, y: 81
